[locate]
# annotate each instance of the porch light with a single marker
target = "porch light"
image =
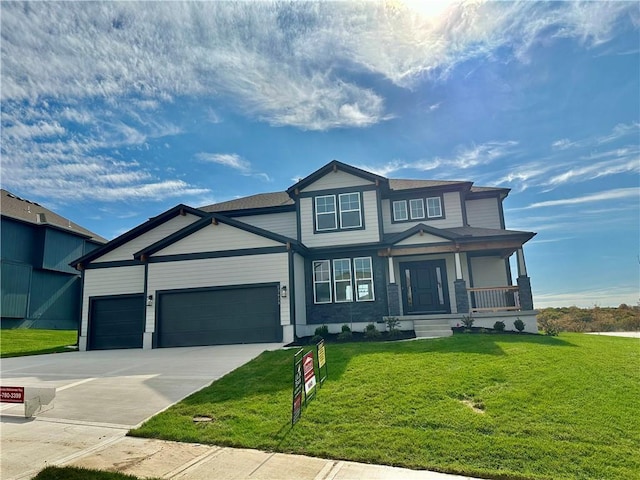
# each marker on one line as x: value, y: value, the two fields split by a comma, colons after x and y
x: 149, y: 300
x: 283, y: 291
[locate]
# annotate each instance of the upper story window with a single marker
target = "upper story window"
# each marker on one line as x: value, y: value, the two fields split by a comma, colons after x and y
x: 434, y: 207
x: 347, y: 208
x: 326, y: 213
x: 350, y: 212
x: 400, y: 210
x: 414, y: 209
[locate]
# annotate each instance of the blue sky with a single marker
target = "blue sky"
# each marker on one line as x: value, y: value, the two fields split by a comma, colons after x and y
x: 114, y: 112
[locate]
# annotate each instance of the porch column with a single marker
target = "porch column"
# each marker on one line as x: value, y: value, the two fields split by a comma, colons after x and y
x: 393, y: 291
x: 460, y: 287
x: 524, y: 283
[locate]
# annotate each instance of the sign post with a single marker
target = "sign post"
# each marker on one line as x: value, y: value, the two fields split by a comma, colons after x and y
x: 296, y: 408
x: 322, y: 361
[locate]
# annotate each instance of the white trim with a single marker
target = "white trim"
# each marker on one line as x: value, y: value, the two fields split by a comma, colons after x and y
x: 367, y: 279
x: 335, y: 210
x: 439, y: 207
x: 336, y: 281
x: 313, y: 279
x: 421, y: 206
x: 406, y: 210
x: 359, y: 210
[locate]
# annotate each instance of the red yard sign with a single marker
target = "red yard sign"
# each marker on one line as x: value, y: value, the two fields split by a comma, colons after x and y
x: 12, y: 394
x: 309, y: 374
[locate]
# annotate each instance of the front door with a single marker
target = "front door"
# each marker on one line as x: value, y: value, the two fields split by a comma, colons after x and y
x: 424, y: 287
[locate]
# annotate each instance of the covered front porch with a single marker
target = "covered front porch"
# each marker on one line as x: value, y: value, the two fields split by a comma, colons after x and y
x: 435, y: 277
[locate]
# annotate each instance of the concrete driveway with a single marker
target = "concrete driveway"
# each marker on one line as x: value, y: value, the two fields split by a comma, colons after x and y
x: 100, y: 396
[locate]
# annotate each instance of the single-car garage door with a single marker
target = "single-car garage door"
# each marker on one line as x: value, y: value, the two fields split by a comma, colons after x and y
x: 217, y: 316
x: 116, y: 322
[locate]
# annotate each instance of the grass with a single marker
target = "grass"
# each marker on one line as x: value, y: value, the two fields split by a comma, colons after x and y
x: 18, y: 342
x: 75, y: 473
x: 493, y: 406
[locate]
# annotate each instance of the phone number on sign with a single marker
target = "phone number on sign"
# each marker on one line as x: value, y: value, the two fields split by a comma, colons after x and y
x: 8, y: 394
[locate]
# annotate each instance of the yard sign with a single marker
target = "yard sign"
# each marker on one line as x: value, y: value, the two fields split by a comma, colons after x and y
x: 309, y: 376
x: 296, y: 408
x: 322, y: 361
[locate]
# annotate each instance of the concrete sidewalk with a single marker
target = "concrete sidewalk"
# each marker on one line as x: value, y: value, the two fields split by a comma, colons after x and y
x: 172, y: 460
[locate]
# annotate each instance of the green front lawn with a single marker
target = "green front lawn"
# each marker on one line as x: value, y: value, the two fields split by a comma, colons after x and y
x: 76, y: 473
x: 22, y: 341
x: 494, y: 406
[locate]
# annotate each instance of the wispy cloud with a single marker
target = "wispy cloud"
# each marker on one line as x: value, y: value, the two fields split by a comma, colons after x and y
x: 232, y: 160
x: 614, y: 194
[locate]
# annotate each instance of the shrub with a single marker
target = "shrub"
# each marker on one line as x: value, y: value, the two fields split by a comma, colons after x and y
x: 549, y: 326
x: 315, y: 339
x: 371, y: 332
x: 519, y: 324
x: 499, y: 326
x: 322, y: 331
x: 345, y: 335
x: 467, y: 321
x: 392, y: 326
x: 345, y: 328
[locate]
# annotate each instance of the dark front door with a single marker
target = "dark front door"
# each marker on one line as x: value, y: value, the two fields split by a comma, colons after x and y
x: 424, y: 287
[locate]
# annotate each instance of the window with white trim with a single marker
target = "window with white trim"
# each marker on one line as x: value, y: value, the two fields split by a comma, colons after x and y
x: 326, y: 218
x: 434, y: 207
x: 416, y: 208
x: 321, y: 281
x: 364, y: 279
x: 350, y: 212
x: 343, y: 289
x: 400, y: 210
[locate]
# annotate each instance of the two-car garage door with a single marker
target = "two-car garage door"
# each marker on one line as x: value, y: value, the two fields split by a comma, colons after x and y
x: 217, y: 316
x: 191, y: 317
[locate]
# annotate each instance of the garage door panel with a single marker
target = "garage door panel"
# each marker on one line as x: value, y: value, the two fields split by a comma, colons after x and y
x: 219, y: 316
x: 116, y: 322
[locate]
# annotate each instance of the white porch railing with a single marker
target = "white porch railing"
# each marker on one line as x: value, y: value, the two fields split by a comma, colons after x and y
x: 494, y: 299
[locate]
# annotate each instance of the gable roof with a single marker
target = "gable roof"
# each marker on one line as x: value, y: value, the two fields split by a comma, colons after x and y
x: 333, y: 166
x: 202, y: 223
x: 12, y: 206
x: 402, y: 184
x: 137, y: 231
x: 460, y: 234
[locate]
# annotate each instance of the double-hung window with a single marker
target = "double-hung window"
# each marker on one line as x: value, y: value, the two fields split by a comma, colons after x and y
x: 400, y: 210
x: 434, y: 207
x: 326, y: 218
x: 350, y: 213
x: 321, y: 281
x: 416, y: 208
x: 342, y: 280
x: 364, y: 279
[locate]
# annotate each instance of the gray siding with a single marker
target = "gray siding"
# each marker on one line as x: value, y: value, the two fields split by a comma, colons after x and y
x: 452, y: 212
x: 19, y: 241
x: 16, y: 282
x: 483, y: 213
x: 280, y: 223
x: 54, y: 301
x: 59, y: 249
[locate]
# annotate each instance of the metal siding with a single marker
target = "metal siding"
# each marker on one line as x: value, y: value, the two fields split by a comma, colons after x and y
x: 15, y: 286
x: 110, y: 281
x: 54, y: 300
x: 281, y: 223
x: 59, y: 249
x: 126, y: 251
x: 19, y: 242
x: 338, y: 179
x: 452, y: 210
x: 218, y: 272
x: 370, y: 234
x: 219, y: 316
x: 213, y: 238
x: 483, y: 213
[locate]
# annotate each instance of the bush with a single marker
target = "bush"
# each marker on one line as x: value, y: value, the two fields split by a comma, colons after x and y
x: 315, y: 339
x: 345, y: 335
x: 467, y: 321
x: 371, y: 332
x: 549, y: 326
x: 345, y: 328
x: 499, y: 326
x: 392, y: 326
x: 322, y: 331
x: 519, y: 324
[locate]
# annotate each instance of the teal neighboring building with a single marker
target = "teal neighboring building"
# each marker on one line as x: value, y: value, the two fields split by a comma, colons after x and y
x: 38, y: 287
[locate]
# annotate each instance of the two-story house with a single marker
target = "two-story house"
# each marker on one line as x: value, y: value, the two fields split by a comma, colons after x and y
x: 38, y: 288
x: 341, y: 246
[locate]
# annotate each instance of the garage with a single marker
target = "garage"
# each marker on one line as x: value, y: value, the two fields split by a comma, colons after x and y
x: 116, y: 322
x: 219, y: 316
